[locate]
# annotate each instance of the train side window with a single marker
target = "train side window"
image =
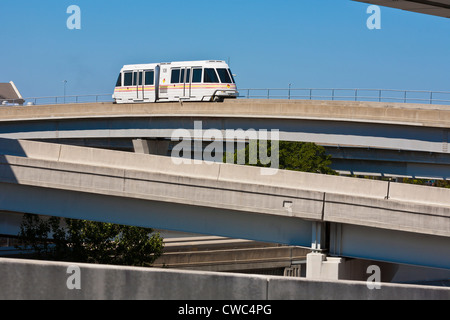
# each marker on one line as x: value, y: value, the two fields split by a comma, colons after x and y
x: 119, y: 80
x: 149, y: 78
x: 128, y: 79
x: 175, y: 78
x: 196, y: 75
x: 210, y: 76
x: 224, y: 76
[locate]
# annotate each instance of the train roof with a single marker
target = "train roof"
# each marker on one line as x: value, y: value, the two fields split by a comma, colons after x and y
x: 198, y: 63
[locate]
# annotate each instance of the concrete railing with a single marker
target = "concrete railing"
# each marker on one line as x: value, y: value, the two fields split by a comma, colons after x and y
x: 26, y: 279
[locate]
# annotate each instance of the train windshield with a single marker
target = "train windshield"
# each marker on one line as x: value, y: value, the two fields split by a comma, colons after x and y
x: 224, y: 75
x: 119, y: 80
x: 231, y: 75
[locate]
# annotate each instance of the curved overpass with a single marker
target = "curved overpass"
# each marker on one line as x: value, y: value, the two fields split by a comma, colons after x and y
x: 396, y: 139
x: 350, y: 217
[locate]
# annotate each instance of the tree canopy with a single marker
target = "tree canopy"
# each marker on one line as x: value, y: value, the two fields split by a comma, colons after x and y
x: 90, y: 242
x: 297, y: 156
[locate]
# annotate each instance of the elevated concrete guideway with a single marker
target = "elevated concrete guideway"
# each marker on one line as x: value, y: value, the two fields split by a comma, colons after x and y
x: 414, y: 138
x: 366, y: 219
x: 350, y: 111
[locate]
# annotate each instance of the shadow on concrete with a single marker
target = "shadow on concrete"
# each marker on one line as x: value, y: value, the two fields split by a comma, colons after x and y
x: 9, y: 147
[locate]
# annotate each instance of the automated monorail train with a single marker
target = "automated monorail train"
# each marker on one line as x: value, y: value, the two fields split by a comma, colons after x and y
x: 175, y: 81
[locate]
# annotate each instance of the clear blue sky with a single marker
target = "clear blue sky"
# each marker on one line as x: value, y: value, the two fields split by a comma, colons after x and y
x: 309, y: 43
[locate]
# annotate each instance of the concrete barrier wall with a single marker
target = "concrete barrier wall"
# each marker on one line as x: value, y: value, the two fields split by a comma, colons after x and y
x: 286, y: 193
x: 211, y: 171
x: 419, y: 194
x: 30, y: 149
x: 27, y: 279
x: 226, y: 172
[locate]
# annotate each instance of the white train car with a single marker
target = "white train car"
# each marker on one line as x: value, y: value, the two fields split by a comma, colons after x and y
x: 175, y: 81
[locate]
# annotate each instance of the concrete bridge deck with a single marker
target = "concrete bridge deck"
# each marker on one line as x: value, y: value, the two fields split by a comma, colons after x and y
x: 380, y: 112
x: 369, y: 219
x: 368, y: 138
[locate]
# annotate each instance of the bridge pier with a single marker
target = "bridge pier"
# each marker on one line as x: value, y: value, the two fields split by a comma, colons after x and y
x: 159, y: 147
x: 319, y: 266
x: 325, y: 263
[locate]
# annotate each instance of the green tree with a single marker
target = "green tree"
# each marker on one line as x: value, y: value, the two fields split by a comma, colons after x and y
x: 297, y: 156
x: 89, y: 241
x: 306, y: 157
x: 34, y: 234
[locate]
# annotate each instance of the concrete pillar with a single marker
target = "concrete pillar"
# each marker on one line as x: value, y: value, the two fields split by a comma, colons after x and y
x: 140, y: 146
x: 156, y: 147
x: 321, y: 267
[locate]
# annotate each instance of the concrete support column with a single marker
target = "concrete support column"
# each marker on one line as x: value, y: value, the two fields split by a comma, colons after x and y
x: 322, y: 267
x: 319, y: 266
x: 318, y: 236
x: 156, y: 147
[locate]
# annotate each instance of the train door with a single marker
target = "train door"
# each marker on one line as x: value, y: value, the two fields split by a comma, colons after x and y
x: 164, y: 81
x: 187, y: 83
x: 157, y: 79
x: 148, y: 92
x: 137, y: 81
x: 196, y: 80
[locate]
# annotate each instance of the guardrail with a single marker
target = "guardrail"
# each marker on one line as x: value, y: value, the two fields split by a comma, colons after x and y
x: 378, y: 95
x: 333, y: 94
x: 58, y: 99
